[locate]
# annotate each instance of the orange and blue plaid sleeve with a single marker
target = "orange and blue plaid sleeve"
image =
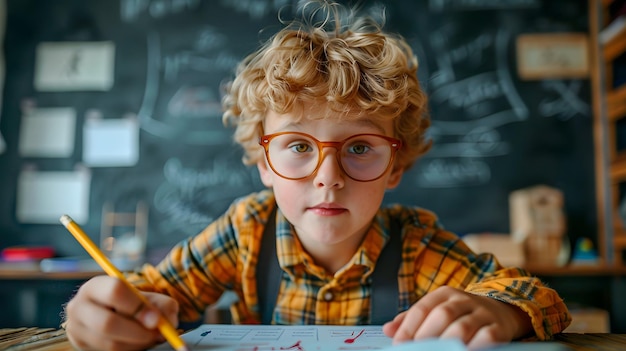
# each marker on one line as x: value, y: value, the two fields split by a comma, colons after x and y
x: 438, y: 257
x: 198, y: 270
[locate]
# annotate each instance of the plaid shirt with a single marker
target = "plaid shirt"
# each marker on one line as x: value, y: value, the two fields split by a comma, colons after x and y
x: 224, y: 256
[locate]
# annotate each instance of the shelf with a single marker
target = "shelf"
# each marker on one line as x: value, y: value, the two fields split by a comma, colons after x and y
x: 610, y: 164
x: 577, y: 270
x: 616, y: 103
x: 616, y: 45
x: 618, y: 170
x: 22, y: 274
x: 617, y: 96
x: 620, y: 240
x: 616, y: 112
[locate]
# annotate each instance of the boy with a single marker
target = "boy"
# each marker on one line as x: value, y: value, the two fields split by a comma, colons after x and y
x: 332, y: 114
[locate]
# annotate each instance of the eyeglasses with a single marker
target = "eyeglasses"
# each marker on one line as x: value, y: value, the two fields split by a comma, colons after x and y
x: 362, y: 157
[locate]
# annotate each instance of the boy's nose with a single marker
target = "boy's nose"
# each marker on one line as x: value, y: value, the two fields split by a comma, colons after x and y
x: 329, y: 173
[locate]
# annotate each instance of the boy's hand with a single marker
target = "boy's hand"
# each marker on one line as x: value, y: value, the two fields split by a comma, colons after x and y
x: 106, y: 315
x: 446, y: 312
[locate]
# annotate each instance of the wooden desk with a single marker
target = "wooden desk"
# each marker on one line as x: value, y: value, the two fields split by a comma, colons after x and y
x: 592, y: 342
x: 34, y: 339
x: 31, y: 339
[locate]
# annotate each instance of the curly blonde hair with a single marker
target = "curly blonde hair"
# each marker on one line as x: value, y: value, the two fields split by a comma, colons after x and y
x: 343, y: 60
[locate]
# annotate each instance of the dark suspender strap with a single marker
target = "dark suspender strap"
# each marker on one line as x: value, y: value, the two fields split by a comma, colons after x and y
x: 385, y: 298
x: 268, y: 271
x: 384, y: 278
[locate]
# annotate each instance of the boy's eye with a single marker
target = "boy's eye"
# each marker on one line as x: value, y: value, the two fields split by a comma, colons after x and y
x: 358, y: 149
x: 300, y: 148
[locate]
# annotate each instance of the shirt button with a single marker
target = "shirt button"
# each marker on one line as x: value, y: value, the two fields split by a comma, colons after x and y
x: 328, y: 296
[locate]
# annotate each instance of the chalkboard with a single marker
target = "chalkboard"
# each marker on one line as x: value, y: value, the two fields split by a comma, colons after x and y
x: 493, y: 132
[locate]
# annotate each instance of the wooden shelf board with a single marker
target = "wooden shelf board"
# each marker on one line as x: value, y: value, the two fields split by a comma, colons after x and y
x: 619, y: 241
x: 616, y: 103
x: 615, y: 47
x: 618, y: 170
x: 620, y: 157
x: 617, y: 96
x: 577, y: 270
x: 616, y: 112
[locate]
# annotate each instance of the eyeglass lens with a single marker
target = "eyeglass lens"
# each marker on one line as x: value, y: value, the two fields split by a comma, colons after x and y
x: 362, y: 157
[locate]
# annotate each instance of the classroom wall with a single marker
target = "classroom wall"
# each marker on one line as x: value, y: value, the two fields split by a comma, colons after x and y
x: 155, y: 70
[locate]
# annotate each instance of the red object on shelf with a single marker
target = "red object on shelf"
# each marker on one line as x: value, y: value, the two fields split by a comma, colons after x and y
x: 27, y: 253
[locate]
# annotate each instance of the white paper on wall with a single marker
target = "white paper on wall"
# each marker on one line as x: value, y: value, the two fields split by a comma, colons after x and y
x: 74, y: 66
x: 47, y: 132
x: 44, y: 196
x: 111, y: 142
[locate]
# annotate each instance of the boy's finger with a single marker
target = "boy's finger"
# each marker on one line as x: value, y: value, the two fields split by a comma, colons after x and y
x: 148, y: 317
x: 113, y: 293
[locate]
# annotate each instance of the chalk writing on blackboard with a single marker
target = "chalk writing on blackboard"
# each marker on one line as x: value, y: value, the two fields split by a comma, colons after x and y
x: 171, y: 56
x: 192, y: 197
x: 488, y: 98
x: 132, y: 9
x: 192, y: 108
x: 256, y: 8
x: 471, y: 5
x: 567, y: 102
x: 448, y: 173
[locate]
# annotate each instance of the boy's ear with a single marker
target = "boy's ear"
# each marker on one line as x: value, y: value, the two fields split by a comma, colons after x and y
x: 394, y: 178
x: 265, y: 173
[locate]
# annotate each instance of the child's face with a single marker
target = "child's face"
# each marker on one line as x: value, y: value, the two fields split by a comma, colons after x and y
x: 328, y: 208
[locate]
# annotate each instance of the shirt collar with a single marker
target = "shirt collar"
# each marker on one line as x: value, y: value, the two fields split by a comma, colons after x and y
x: 292, y: 255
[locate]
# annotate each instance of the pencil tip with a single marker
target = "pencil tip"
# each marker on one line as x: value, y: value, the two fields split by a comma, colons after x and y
x: 183, y: 348
x: 65, y: 219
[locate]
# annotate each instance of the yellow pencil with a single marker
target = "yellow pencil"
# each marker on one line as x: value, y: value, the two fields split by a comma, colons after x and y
x: 168, y: 331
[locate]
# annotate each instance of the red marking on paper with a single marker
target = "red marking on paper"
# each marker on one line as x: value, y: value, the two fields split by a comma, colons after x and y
x: 351, y: 340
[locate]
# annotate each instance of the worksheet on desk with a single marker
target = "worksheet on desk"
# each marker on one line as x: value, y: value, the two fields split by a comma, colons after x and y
x: 296, y: 338
x: 223, y: 337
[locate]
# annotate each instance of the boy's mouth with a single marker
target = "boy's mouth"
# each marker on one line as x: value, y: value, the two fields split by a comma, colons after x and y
x: 327, y: 209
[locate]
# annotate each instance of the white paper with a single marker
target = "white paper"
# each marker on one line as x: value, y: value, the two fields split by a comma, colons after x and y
x: 44, y: 196
x: 222, y: 337
x: 48, y: 132
x: 111, y: 142
x: 74, y: 66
